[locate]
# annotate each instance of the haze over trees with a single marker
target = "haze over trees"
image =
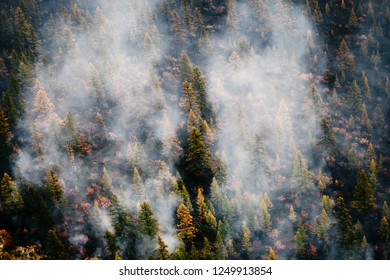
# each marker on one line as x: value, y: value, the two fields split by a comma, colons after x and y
x: 178, y: 129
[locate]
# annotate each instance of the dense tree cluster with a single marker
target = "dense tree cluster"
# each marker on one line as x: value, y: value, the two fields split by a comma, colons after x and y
x: 123, y: 179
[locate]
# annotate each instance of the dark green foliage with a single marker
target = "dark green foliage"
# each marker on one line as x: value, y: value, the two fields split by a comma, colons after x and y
x: 327, y: 140
x: 363, y: 193
x: 355, y: 102
x: 146, y: 219
x: 197, y: 161
x: 199, y: 86
x: 5, y: 142
x: 345, y: 235
x: 112, y: 246
x: 10, y: 198
x: 55, y: 248
x: 301, y: 241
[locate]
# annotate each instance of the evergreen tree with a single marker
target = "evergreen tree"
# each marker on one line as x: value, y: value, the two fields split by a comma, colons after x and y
x: 301, y: 180
x: 5, y: 142
x: 370, y: 11
x: 385, y: 210
x: 185, y: 67
x: 292, y: 216
x: 186, y: 229
x: 189, y: 102
x: 147, y: 221
x: 301, y: 241
x: 54, y: 186
x: 327, y: 140
x: 183, y: 192
x: 363, y: 193
x: 246, y: 241
x: 161, y: 251
x: 137, y: 185
x: 365, y: 120
x: 112, y: 246
x: 355, y: 99
x: 199, y: 86
x: 353, y: 21
x: 345, y: 234
x: 10, y: 197
x: 55, y: 249
x: 207, y: 252
x: 265, y: 217
x: 106, y: 182
x: 272, y: 255
x: 384, y: 234
x: 197, y: 160
x: 373, y: 176
x: 321, y: 228
x: 345, y: 58
x: 220, y: 248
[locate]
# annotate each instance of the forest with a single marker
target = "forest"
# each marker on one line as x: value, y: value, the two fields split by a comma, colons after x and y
x: 194, y: 129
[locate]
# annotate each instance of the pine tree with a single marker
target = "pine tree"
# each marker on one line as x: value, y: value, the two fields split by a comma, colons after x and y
x: 370, y: 154
x: 24, y: 30
x: 70, y: 127
x: 147, y: 221
x: 292, y: 216
x: 378, y: 116
x: 201, y: 205
x: 189, y: 102
x: 188, y: 19
x: 265, y: 217
x: 345, y: 234
x: 342, y: 4
x: 106, y: 182
x: 185, y: 67
x: 199, y: 86
x: 246, y: 240
x: 161, y: 251
x: 55, y: 186
x: 301, y: 241
x: 373, y: 176
x: 186, y: 229
x: 384, y: 235
x: 101, y: 132
x: 137, y: 185
x: 363, y: 193
x: 353, y: 21
x: 207, y: 252
x: 10, y: 197
x: 365, y: 120
x: 272, y: 255
x: 355, y: 99
x: 5, y: 142
x: 184, y: 193
x: 112, y: 246
x: 327, y: 140
x: 55, y: 248
x: 321, y: 227
x: 385, y: 210
x: 370, y: 11
x: 220, y: 248
x: 301, y: 179
x: 345, y: 58
x: 197, y: 161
